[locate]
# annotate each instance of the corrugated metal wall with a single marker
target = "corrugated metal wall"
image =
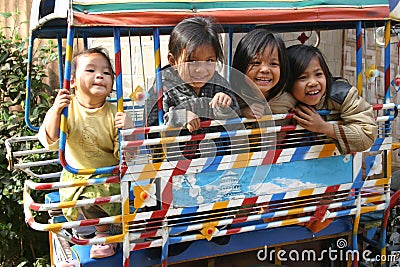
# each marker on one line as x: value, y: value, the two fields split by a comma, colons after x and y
x: 24, y: 7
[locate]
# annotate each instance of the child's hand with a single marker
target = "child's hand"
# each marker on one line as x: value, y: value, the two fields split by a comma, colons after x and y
x: 308, y: 118
x: 254, y: 111
x: 123, y: 121
x: 221, y: 100
x: 193, y: 121
x: 62, y: 100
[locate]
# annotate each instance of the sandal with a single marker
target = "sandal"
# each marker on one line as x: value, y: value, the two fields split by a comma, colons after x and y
x: 98, y: 251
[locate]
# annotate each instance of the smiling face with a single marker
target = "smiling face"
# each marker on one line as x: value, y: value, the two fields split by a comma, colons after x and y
x: 264, y: 70
x: 199, y: 68
x: 93, y: 79
x: 310, y: 86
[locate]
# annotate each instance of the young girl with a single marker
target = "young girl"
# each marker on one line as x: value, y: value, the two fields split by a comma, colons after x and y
x: 191, y: 80
x: 313, y: 86
x: 192, y: 88
x: 263, y: 67
x: 92, y: 136
x: 261, y: 56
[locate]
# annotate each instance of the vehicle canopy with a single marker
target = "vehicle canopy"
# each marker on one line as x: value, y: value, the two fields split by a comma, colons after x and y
x: 50, y: 16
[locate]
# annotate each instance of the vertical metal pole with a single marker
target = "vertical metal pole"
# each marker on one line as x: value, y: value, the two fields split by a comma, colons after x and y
x: 60, y: 60
x: 28, y: 86
x: 85, y: 41
x: 230, y: 51
x: 118, y: 69
x: 120, y: 108
x: 387, y: 74
x: 387, y: 62
x: 66, y: 85
x: 359, y: 57
x: 157, y: 65
x: 382, y: 240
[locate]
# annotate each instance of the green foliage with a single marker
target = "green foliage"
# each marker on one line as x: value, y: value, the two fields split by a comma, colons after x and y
x: 20, y: 245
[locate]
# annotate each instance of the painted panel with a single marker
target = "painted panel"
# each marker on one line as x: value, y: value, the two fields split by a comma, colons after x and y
x: 210, y: 187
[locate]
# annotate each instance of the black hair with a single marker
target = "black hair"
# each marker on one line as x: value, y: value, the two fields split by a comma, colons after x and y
x: 300, y: 56
x: 253, y: 44
x: 193, y: 32
x: 95, y: 50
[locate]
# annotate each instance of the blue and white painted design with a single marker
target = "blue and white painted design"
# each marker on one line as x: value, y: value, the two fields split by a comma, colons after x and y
x: 209, y: 187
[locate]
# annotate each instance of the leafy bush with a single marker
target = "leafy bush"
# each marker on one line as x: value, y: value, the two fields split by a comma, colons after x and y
x: 20, y: 245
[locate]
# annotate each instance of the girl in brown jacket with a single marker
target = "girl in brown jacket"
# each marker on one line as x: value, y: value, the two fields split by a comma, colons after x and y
x: 312, y: 84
